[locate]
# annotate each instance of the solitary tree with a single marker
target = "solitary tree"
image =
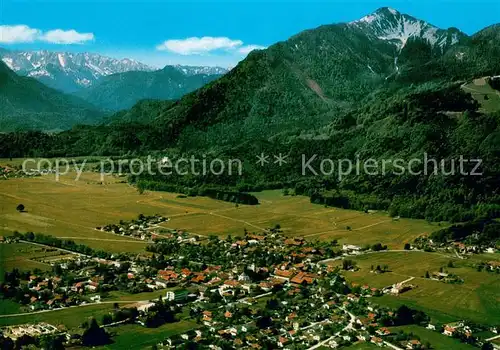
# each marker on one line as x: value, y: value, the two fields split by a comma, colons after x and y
x: 95, y: 335
x: 20, y: 208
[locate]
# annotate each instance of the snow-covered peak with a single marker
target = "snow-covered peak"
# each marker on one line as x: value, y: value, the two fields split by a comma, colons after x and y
x: 61, y: 59
x: 377, y: 15
x: 65, y: 70
x: 9, y: 62
x: 391, y: 25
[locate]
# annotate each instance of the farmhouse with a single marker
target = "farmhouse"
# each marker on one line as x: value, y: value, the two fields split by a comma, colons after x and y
x: 413, y: 344
x: 449, y: 331
x: 383, y: 331
x: 303, y: 278
x: 349, y: 248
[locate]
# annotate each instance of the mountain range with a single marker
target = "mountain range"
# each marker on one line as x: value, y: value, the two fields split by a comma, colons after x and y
x: 304, y: 83
x: 64, y: 71
x: 123, y: 90
x: 83, y: 88
x: 392, y: 26
x: 302, y: 87
x: 299, y: 84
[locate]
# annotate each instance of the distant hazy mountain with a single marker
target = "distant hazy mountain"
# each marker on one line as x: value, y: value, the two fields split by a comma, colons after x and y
x: 195, y: 70
x: 25, y: 103
x: 68, y: 72
x: 123, y: 90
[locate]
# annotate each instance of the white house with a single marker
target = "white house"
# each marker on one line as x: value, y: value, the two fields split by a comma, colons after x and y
x: 170, y: 296
x: 96, y: 298
x: 350, y: 247
x: 161, y: 284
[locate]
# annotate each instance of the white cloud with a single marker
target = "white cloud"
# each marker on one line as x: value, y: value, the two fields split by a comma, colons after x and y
x: 12, y: 34
x: 59, y: 36
x: 198, y: 46
x: 245, y: 50
x: 17, y: 34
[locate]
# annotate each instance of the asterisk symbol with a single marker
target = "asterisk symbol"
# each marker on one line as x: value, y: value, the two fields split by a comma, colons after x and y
x: 280, y: 160
x: 262, y: 159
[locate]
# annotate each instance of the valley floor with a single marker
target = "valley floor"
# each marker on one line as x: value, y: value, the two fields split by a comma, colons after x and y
x: 71, y: 209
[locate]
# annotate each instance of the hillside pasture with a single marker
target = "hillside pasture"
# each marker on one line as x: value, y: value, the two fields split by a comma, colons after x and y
x: 481, y: 91
x: 476, y: 299
x: 437, y: 340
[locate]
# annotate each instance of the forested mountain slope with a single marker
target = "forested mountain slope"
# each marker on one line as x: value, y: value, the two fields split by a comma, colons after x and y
x: 28, y: 104
x: 123, y: 90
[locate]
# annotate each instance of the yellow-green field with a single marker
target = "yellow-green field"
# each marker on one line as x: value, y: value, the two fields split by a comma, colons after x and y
x: 476, y: 299
x: 72, y: 209
x: 137, y: 337
x: 438, y: 341
x: 359, y: 346
x: 298, y: 217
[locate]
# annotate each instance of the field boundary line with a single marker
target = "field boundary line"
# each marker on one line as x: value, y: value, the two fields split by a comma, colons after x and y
x: 242, y: 221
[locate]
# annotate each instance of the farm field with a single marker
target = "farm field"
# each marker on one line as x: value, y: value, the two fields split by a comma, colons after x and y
x: 360, y: 346
x: 63, y: 316
x: 71, y: 318
x: 437, y: 340
x: 9, y: 307
x: 476, y: 299
x: 137, y: 337
x: 24, y: 257
x: 356, y: 346
x: 299, y: 218
x: 72, y: 209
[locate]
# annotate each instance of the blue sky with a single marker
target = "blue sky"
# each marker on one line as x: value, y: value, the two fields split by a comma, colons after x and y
x: 201, y: 32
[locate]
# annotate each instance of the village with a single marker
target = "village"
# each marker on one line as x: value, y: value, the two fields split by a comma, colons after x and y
x: 252, y: 291
x: 140, y: 228
x: 462, y: 249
